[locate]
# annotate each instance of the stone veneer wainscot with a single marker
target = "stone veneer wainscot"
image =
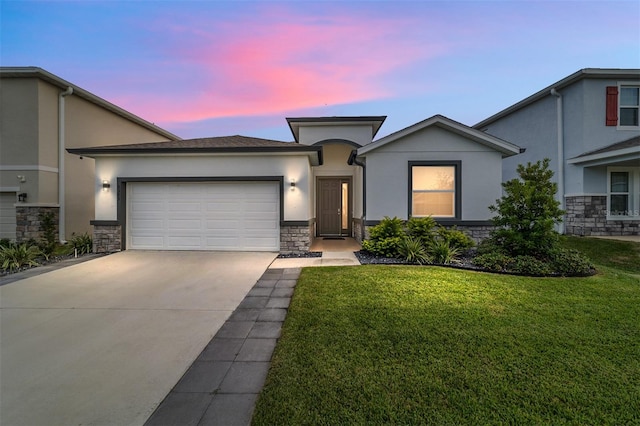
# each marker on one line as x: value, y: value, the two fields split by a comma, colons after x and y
x: 28, y: 221
x: 107, y: 237
x: 587, y: 215
x: 295, y: 239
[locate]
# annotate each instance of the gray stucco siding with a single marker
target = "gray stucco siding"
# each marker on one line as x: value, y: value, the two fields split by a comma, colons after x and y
x: 388, y: 173
x: 533, y: 128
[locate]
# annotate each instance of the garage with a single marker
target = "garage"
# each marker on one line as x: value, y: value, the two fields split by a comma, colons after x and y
x: 229, y: 216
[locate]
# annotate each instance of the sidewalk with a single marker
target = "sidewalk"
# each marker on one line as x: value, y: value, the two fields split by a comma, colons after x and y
x: 222, y: 385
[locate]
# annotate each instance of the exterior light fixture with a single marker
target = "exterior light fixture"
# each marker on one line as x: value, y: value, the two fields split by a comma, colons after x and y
x: 293, y: 184
x: 22, y: 197
x: 105, y: 185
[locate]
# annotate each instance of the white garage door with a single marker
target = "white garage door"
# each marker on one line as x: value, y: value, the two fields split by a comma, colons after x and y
x: 237, y: 216
x: 7, y: 215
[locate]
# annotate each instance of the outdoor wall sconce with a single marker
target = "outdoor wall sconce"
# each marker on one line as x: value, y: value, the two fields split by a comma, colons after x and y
x: 105, y: 185
x: 293, y: 184
x: 22, y: 197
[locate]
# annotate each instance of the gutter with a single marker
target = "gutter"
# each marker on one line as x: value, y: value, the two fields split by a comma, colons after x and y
x: 61, y: 153
x: 560, y: 138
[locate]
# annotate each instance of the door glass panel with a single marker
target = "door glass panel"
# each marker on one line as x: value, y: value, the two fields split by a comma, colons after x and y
x: 345, y: 205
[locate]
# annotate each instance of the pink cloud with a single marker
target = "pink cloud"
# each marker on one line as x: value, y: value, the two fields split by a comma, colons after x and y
x: 278, y: 62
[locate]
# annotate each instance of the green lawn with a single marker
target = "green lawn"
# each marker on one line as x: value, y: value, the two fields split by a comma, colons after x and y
x: 429, y: 345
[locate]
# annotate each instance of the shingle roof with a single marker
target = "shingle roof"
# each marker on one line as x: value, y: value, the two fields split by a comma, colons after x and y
x: 221, y: 144
x: 629, y: 143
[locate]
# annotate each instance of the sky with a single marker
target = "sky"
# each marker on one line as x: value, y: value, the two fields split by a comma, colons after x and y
x: 217, y: 68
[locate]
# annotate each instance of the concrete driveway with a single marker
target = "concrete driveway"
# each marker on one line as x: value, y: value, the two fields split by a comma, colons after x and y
x: 103, y: 342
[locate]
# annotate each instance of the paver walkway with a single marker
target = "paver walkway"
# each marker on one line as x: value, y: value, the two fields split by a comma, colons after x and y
x: 222, y: 385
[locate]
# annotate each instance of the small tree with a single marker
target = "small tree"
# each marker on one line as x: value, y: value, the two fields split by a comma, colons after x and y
x: 48, y: 227
x: 528, y: 211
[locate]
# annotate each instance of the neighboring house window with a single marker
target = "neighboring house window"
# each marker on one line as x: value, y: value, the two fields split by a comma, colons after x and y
x: 623, y: 106
x: 434, y: 189
x: 624, y: 192
x: 629, y: 105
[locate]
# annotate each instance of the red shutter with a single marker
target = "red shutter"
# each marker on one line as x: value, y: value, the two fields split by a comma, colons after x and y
x: 612, y: 105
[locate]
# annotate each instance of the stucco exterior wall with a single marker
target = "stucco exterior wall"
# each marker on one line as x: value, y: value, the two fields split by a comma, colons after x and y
x: 388, y: 173
x: 89, y: 125
x: 29, y: 141
x: 534, y: 127
x: 19, y: 135
x: 361, y: 135
x: 296, y: 202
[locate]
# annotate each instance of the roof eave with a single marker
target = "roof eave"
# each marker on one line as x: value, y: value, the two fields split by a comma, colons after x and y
x: 606, y: 156
x: 106, y: 152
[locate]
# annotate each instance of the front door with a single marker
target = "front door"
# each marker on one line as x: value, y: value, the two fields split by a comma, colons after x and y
x: 333, y: 212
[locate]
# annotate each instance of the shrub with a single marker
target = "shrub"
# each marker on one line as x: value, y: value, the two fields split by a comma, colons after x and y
x: 422, y: 228
x: 493, y: 261
x: 412, y: 250
x: 387, y: 228
x: 529, y: 265
x: 16, y: 256
x: 442, y: 252
x: 456, y: 238
x: 387, y: 247
x: 82, y: 243
x: 385, y: 237
x: 528, y: 211
x: 568, y: 262
x: 5, y: 242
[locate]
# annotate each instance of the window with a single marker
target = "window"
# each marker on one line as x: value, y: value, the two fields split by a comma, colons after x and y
x: 434, y: 189
x: 629, y: 105
x: 624, y: 192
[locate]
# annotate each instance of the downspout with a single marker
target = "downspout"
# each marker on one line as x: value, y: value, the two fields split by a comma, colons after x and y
x: 351, y: 161
x: 61, y: 152
x: 560, y: 137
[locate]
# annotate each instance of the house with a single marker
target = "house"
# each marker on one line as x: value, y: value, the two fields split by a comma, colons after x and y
x: 588, y: 125
x: 333, y: 180
x: 42, y: 115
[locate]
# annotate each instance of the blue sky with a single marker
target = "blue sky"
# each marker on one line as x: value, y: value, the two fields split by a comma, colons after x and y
x: 213, y: 68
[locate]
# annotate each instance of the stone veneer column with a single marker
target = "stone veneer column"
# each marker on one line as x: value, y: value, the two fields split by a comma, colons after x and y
x: 28, y: 221
x: 295, y: 239
x: 107, y: 238
x: 587, y: 215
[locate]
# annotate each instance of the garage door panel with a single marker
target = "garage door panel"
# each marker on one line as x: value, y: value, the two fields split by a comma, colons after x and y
x: 204, y: 216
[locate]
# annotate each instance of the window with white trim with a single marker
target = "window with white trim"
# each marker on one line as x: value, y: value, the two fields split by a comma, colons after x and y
x: 434, y: 189
x: 623, y: 197
x: 629, y: 105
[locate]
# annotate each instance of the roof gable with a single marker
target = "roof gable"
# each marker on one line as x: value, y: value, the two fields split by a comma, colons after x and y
x: 506, y: 148
x: 593, y: 73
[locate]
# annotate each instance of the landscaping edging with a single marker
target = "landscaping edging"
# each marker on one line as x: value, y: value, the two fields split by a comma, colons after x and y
x: 366, y: 258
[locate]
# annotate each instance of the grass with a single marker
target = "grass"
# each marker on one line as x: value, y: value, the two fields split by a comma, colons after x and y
x: 428, y: 345
x: 622, y: 255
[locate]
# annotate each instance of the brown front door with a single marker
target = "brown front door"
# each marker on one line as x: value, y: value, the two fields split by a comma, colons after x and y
x: 334, y: 215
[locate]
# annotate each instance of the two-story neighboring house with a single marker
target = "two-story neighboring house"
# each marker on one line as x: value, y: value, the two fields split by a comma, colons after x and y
x: 41, y: 115
x: 588, y: 125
